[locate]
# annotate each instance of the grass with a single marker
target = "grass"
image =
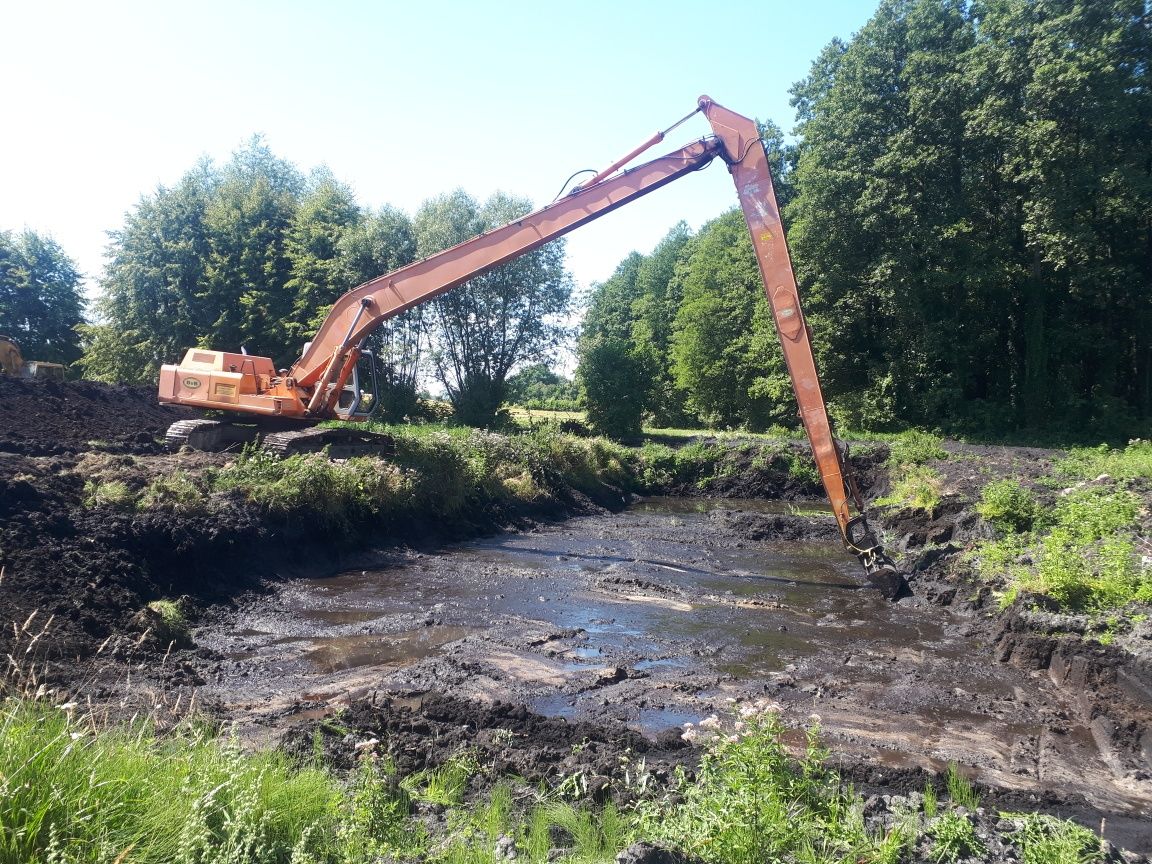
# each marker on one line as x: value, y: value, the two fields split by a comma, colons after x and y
x: 960, y: 790
x: 1129, y: 463
x: 441, y: 472
x: 74, y: 791
x: 1084, y: 552
x: 915, y: 484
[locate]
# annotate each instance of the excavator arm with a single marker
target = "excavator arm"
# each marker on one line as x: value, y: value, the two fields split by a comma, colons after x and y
x: 312, y: 388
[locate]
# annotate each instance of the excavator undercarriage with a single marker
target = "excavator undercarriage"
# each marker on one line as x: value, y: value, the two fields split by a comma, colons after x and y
x: 214, y: 436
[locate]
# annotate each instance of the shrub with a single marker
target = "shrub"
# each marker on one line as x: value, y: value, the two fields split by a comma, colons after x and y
x: 1008, y: 506
x: 916, y: 486
x: 1134, y: 461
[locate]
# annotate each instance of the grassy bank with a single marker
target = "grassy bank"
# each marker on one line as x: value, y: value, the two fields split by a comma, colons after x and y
x: 443, y: 473
x: 72, y: 791
x: 1077, y: 537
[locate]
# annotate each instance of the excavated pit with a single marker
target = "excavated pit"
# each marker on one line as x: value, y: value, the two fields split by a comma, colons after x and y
x: 583, y: 643
x: 657, y: 617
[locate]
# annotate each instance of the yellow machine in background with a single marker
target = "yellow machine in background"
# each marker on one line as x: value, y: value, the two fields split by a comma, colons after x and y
x: 12, y: 363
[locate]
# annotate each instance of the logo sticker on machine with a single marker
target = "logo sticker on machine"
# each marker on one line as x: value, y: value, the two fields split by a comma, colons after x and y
x: 192, y: 383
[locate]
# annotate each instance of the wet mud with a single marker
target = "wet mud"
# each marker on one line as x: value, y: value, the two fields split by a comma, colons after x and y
x: 567, y: 649
x: 659, y: 616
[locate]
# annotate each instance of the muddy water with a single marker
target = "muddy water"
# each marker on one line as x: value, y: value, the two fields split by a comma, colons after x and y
x: 660, y: 616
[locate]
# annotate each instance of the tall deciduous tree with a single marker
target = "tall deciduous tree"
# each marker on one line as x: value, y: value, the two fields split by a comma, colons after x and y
x: 41, y: 302
x: 973, y: 183
x: 379, y: 243
x: 724, y: 356
x: 510, y: 316
x: 151, y: 309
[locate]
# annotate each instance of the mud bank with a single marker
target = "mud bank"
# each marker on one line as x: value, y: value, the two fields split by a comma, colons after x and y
x: 643, y: 622
x: 1105, y: 680
x: 618, y: 628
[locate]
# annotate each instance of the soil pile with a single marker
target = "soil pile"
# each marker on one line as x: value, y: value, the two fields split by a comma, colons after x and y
x: 507, y: 737
x: 51, y: 418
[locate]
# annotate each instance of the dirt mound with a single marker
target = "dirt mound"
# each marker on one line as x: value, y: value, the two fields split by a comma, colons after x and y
x: 775, y: 526
x: 509, y: 738
x: 51, y: 418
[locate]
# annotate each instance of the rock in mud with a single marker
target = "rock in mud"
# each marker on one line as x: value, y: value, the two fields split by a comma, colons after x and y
x: 649, y: 853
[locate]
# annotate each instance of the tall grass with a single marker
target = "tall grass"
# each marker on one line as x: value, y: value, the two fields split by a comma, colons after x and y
x: 1084, y: 551
x: 72, y: 791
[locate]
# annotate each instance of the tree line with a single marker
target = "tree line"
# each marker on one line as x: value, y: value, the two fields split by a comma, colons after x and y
x: 254, y: 253
x: 969, y: 208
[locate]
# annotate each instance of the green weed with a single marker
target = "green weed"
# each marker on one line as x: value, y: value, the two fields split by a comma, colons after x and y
x: 1009, y: 506
x: 960, y: 790
x: 915, y: 486
x: 752, y: 802
x: 954, y: 837
x: 444, y: 785
x: 171, y: 622
x: 931, y: 802
x: 1088, y: 559
x: 1134, y: 461
x: 1047, y: 840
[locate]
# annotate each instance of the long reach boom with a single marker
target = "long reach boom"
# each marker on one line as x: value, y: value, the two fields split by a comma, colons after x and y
x: 316, y: 386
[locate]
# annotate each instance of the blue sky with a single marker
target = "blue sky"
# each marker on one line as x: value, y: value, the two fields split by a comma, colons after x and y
x: 403, y: 101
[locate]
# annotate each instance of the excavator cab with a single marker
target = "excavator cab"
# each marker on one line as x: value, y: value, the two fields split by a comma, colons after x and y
x: 354, y: 403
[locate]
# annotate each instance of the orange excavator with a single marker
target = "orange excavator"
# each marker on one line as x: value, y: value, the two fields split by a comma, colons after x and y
x: 324, y: 384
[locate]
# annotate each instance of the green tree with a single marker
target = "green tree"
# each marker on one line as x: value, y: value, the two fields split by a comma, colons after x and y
x: 313, y: 245
x: 613, y: 377
x: 41, y: 302
x: 972, y: 183
x: 150, y: 308
x: 537, y: 386
x: 653, y: 311
x: 491, y: 324
x: 1066, y: 107
x: 724, y: 356
x: 248, y: 268
x: 614, y: 386
x: 380, y: 243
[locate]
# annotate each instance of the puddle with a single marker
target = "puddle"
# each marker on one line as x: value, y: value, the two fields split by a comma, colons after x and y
x: 348, y: 652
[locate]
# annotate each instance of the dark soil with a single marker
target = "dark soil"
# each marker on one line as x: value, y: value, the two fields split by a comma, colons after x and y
x: 91, y: 570
x: 51, y: 418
